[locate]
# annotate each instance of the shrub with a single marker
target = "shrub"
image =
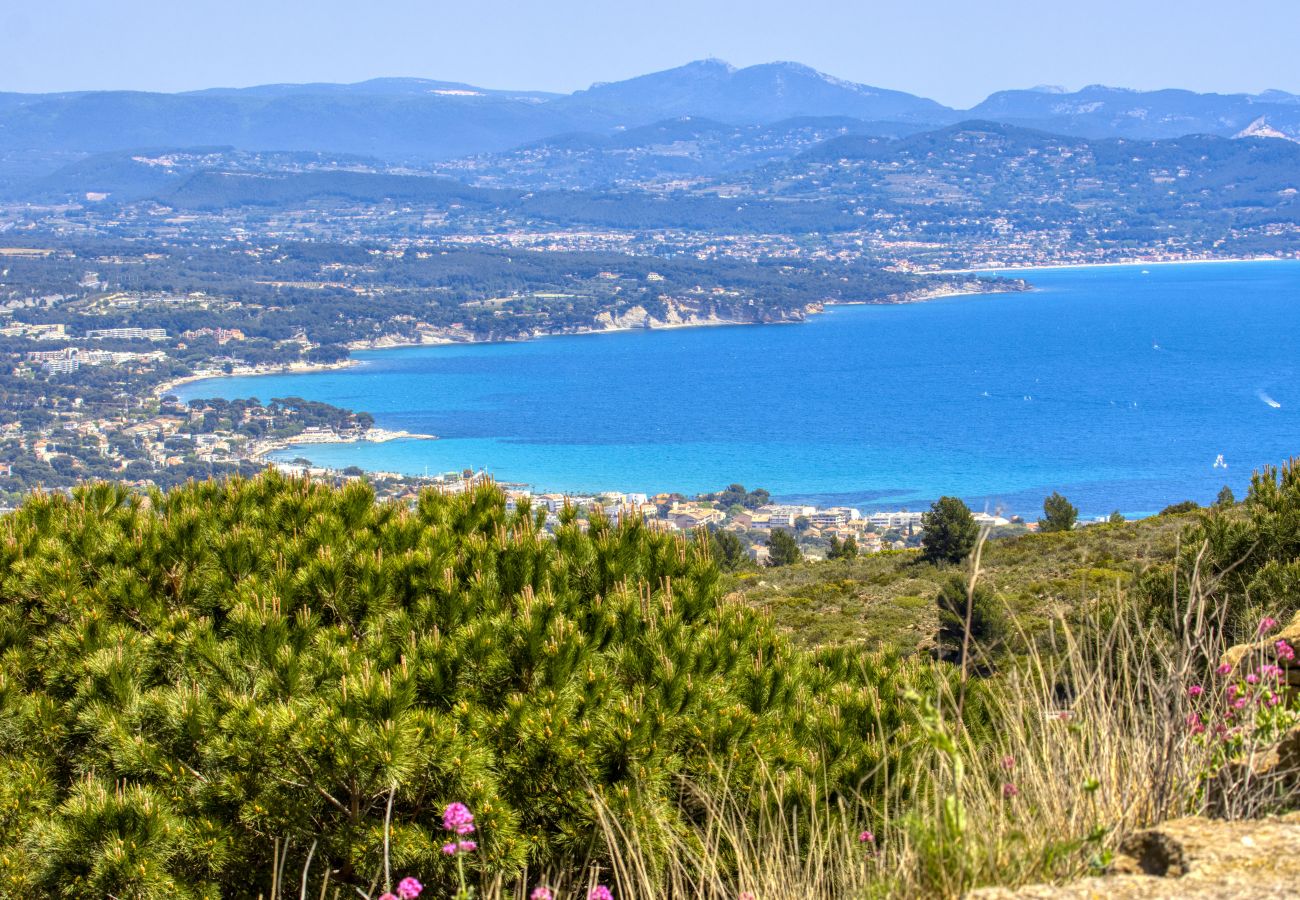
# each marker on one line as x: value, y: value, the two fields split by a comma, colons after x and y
x: 207, y: 675
x: 1246, y: 557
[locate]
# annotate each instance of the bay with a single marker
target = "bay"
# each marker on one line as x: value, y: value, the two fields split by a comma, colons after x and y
x: 1119, y: 386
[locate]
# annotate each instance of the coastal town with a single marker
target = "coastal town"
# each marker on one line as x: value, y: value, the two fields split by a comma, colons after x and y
x: 752, y: 517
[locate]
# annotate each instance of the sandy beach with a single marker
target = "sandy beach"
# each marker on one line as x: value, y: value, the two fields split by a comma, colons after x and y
x: 1115, y: 265
x: 296, y: 368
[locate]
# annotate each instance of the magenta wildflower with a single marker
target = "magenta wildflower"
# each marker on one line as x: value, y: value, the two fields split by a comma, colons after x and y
x: 1195, y: 724
x: 449, y: 849
x: 541, y: 893
x: 866, y: 838
x: 600, y: 892
x: 1240, y: 702
x: 1274, y: 699
x: 466, y: 846
x: 387, y: 897
x: 1008, y: 762
x: 1285, y: 651
x: 746, y: 895
x: 409, y: 888
x: 1224, y: 669
x: 1267, y: 624
x: 1009, y: 790
x: 457, y: 817
x: 1252, y: 678
x: 1195, y: 690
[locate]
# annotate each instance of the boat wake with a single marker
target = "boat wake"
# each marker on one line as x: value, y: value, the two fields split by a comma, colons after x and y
x: 1269, y: 400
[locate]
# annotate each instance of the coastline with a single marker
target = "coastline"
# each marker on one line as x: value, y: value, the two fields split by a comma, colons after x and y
x: 586, y: 469
x: 259, y: 451
x: 922, y: 295
x: 296, y: 368
x: 1047, y: 267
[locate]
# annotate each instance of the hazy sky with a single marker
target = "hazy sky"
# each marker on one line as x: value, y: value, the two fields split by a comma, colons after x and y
x: 955, y: 51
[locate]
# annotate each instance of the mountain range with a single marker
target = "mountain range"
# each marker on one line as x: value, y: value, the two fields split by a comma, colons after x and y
x: 416, y: 120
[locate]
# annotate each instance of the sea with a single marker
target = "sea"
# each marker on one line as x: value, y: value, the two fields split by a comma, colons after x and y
x: 1126, y: 388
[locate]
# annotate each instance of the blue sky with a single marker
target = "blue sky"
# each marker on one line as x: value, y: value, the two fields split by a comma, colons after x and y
x: 956, y: 52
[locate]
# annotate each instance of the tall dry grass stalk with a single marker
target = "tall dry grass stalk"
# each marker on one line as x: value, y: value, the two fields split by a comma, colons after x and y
x: 1087, y: 739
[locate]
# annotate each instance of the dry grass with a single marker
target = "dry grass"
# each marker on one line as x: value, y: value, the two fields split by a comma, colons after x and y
x: 1087, y: 742
x: 1091, y: 742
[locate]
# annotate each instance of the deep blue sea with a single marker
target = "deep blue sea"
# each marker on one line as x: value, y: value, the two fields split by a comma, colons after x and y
x: 1118, y: 386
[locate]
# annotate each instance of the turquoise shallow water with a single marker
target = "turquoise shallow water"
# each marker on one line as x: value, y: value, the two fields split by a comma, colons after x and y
x: 1118, y: 386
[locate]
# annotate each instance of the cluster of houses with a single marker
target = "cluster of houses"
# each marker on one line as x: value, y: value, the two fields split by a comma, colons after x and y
x: 223, y: 336
x: 871, y: 532
x: 70, y: 359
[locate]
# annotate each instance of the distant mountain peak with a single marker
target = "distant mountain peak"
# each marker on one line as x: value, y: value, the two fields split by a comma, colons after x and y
x: 758, y: 94
x: 1107, y: 89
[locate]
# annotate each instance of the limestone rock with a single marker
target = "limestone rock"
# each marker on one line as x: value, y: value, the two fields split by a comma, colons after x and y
x: 1265, y: 649
x: 1190, y: 859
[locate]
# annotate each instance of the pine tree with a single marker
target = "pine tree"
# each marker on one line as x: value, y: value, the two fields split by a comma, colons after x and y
x: 846, y: 549
x: 783, y: 548
x: 987, y: 625
x: 950, y: 531
x: 1058, y: 514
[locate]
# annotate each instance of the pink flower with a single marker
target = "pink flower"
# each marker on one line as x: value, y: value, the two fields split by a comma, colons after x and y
x: 600, y: 892
x: 409, y: 888
x: 746, y: 895
x: 457, y: 817
x: 1009, y: 790
x: 1240, y: 702
x: 1194, y: 723
x: 1285, y: 651
x: 1233, y: 690
x: 1008, y: 762
x: 1252, y: 678
x: 866, y: 838
x: 1224, y: 669
x: 1267, y: 624
x: 1274, y: 699
x: 1195, y: 690
x: 466, y: 846
x: 449, y: 849
x: 387, y: 897
x: 541, y: 893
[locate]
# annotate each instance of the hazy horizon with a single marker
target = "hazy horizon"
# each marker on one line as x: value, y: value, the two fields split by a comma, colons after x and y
x: 950, y: 52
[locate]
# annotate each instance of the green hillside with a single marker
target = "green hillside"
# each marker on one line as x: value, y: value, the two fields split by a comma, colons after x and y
x: 886, y: 600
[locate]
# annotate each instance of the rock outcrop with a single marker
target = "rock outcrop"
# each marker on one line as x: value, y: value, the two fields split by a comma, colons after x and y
x: 1245, y: 655
x: 1188, y: 859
